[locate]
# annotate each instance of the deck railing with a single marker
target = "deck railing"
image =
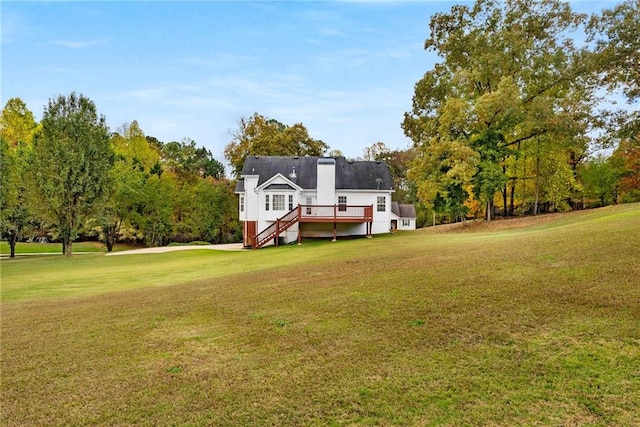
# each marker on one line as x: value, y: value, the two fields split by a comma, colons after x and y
x: 276, y: 228
x: 314, y: 213
x: 339, y: 213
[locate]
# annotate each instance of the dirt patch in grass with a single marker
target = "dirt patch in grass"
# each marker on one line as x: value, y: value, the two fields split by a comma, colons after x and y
x: 499, y: 224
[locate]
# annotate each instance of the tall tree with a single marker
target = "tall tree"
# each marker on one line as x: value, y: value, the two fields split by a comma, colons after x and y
x: 134, y: 160
x: 506, y: 70
x: 17, y: 205
x: 17, y: 126
x: 616, y: 34
x: 259, y: 135
x: 71, y: 162
x: 17, y: 123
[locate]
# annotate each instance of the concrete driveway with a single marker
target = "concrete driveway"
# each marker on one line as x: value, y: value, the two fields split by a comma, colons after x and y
x: 163, y: 249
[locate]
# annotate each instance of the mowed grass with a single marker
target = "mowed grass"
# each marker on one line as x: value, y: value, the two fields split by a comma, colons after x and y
x: 23, y: 248
x: 531, y: 322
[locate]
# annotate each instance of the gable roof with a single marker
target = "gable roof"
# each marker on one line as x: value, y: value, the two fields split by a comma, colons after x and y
x: 403, y: 211
x: 350, y: 175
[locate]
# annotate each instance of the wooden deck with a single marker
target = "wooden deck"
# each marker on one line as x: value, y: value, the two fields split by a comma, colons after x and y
x: 335, y: 213
x: 315, y: 213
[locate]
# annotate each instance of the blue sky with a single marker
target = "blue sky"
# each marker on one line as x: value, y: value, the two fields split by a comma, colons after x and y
x: 345, y: 69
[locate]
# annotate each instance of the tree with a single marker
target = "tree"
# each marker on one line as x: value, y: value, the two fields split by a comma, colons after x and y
x: 152, y: 211
x: 214, y: 217
x: 189, y: 161
x: 616, y: 34
x: 442, y: 173
x: 17, y: 123
x: 260, y: 136
x: 71, y: 162
x: 507, y: 74
x: 398, y: 162
x: 600, y: 181
x: 376, y: 151
x: 625, y: 160
x: 131, y: 144
x: 134, y: 160
x: 16, y: 193
x: 17, y: 126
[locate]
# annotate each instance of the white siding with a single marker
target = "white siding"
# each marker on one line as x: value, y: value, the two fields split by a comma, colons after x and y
x: 402, y: 226
x: 250, y: 199
x: 381, y: 220
x: 326, y: 182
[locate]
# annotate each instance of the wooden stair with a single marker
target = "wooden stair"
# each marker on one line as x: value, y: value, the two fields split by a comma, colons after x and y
x: 274, y: 230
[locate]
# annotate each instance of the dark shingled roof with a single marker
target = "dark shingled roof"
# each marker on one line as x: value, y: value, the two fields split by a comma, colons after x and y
x: 350, y: 175
x: 403, y: 211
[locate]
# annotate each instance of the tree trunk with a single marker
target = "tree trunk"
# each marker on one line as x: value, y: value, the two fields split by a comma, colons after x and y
x: 110, y: 232
x: 489, y: 208
x: 13, y: 239
x: 537, y: 190
x: 505, y: 211
x: 66, y: 240
x: 512, y: 208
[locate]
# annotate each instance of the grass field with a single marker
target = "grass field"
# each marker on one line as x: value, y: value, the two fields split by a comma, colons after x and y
x: 517, y: 322
x: 23, y: 248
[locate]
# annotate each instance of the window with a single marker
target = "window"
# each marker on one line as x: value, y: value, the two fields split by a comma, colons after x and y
x: 406, y: 222
x: 342, y: 203
x: 241, y: 203
x: 309, y: 201
x: 290, y: 202
x: 278, y: 202
x: 266, y: 200
x: 382, y: 204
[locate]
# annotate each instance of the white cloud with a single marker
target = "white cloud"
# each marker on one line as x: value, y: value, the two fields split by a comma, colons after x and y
x: 77, y: 44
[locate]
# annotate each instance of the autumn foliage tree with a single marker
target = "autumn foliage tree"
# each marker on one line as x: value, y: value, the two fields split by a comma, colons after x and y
x: 510, y: 83
x: 258, y: 135
x: 626, y: 160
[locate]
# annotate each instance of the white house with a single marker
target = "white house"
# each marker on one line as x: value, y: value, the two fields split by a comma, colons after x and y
x: 403, y: 217
x: 284, y: 199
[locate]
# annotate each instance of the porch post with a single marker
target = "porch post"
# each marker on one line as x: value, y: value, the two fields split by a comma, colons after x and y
x: 335, y: 218
x: 299, y: 224
x: 371, y: 222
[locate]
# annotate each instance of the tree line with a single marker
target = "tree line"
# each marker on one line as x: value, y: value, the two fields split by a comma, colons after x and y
x: 68, y: 176
x: 508, y: 121
x: 506, y: 124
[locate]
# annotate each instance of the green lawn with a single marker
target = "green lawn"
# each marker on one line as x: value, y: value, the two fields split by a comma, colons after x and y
x: 533, y: 322
x: 23, y: 248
